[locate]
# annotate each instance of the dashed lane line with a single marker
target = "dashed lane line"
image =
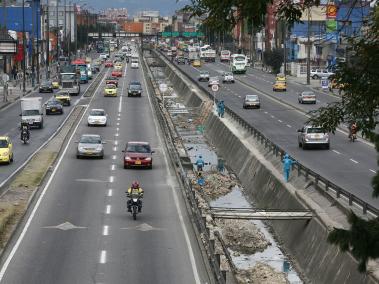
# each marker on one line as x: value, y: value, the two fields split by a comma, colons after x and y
x: 110, y: 192
x: 108, y: 209
x: 105, y: 230
x: 354, y: 161
x: 335, y: 151
x: 372, y: 171
x: 103, y: 257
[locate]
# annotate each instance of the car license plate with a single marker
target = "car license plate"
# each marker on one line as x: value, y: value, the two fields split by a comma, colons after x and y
x: 138, y: 162
x: 53, y: 110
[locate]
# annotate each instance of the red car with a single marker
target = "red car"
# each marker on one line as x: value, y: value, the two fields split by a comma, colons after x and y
x: 116, y: 73
x: 112, y: 80
x: 108, y: 64
x: 138, y: 154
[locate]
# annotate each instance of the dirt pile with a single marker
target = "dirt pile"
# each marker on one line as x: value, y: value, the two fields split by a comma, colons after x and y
x: 261, y: 273
x: 216, y: 184
x: 243, y: 236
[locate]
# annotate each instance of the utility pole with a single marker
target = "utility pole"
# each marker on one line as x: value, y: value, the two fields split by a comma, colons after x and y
x: 5, y: 31
x: 48, y: 42
x: 69, y: 39
x: 57, y: 47
x: 252, y: 42
x: 309, y: 49
x: 284, y: 48
x: 76, y: 36
x: 33, y: 39
x: 23, y: 49
x: 87, y: 25
x: 64, y: 29
x: 37, y: 19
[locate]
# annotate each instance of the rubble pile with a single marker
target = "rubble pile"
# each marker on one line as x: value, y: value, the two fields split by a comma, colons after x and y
x: 216, y: 184
x: 261, y: 273
x: 243, y: 236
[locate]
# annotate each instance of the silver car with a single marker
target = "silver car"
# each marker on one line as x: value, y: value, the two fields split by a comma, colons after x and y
x: 227, y: 77
x: 90, y: 145
x: 213, y: 81
x: 251, y: 101
x: 313, y: 136
x: 307, y: 97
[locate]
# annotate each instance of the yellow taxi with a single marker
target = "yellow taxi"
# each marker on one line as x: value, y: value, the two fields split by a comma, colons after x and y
x: 6, y: 150
x: 110, y: 90
x: 55, y: 84
x: 279, y: 86
x: 118, y: 66
x: 63, y: 97
x: 196, y: 63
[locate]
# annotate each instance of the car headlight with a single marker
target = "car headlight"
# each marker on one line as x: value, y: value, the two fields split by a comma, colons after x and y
x: 99, y: 148
x: 81, y: 148
x: 5, y: 154
x: 127, y: 158
x: 148, y: 159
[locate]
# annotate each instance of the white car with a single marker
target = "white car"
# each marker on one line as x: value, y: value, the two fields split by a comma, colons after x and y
x: 97, y: 117
x: 104, y: 56
x: 227, y: 77
x: 307, y: 97
x: 213, y: 81
x: 319, y: 73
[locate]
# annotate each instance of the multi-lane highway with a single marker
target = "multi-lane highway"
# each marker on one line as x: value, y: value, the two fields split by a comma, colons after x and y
x: 9, y: 126
x: 349, y: 165
x: 80, y: 231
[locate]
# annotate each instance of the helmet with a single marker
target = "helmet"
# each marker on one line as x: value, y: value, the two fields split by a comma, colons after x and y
x: 286, y: 156
x: 135, y: 184
x: 200, y: 157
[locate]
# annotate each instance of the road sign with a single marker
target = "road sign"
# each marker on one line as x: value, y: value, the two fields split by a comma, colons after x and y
x: 5, y: 77
x: 324, y: 83
x: 214, y: 88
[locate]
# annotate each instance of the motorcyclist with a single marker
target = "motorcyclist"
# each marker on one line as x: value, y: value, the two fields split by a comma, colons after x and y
x: 353, y: 129
x: 25, y: 130
x: 134, y: 191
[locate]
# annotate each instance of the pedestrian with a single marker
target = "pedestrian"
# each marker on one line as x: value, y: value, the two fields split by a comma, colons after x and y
x: 221, y: 108
x: 200, y: 164
x: 14, y: 72
x: 200, y: 179
x: 287, y: 165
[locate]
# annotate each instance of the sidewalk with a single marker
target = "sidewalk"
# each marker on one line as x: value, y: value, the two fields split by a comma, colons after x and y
x: 15, y: 88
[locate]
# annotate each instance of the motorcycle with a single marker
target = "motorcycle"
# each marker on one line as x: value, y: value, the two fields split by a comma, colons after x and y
x: 134, y: 203
x: 24, y: 136
x: 353, y: 135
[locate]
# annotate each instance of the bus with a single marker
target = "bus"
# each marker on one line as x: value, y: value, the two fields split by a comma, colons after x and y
x: 238, y: 63
x: 82, y: 68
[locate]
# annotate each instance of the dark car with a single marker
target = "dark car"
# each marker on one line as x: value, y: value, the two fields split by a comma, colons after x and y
x: 181, y: 60
x: 111, y: 80
x: 53, y: 107
x: 138, y: 154
x: 46, y: 87
x: 135, y: 89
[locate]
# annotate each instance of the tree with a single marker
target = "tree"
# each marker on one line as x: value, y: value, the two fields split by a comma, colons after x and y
x: 274, y: 58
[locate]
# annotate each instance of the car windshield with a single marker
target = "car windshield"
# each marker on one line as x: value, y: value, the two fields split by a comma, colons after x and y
x: 68, y: 76
x: 3, y: 143
x: 135, y: 87
x: 45, y: 83
x: 204, y: 73
x: 30, y: 112
x: 53, y: 103
x: 97, y: 113
x: 112, y: 78
x: 251, y: 98
x: 315, y: 130
x: 308, y: 94
x: 90, y: 139
x: 138, y: 148
x: 111, y: 87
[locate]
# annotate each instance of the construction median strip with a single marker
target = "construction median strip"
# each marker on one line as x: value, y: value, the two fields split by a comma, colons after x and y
x: 17, y: 198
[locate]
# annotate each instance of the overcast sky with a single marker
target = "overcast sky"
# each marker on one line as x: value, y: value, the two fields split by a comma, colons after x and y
x: 166, y: 7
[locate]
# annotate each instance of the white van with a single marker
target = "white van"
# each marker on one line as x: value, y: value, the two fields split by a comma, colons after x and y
x: 134, y: 63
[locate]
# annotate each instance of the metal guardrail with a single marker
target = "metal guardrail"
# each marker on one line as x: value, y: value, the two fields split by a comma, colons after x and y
x: 197, y: 214
x: 320, y: 181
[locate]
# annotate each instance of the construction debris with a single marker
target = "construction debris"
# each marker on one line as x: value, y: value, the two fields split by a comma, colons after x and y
x: 242, y: 236
x: 261, y: 273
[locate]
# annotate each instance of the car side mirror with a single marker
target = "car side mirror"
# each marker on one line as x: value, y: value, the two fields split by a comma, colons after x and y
x: 152, y: 152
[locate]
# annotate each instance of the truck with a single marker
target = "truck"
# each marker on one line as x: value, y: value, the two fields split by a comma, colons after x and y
x: 207, y: 54
x: 192, y: 54
x: 31, y: 111
x: 225, y: 56
x: 70, y: 83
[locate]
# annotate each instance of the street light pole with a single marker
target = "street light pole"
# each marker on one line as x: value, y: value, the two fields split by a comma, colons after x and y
x: 65, y: 28
x: 23, y: 49
x: 309, y: 49
x: 37, y: 19
x: 57, y: 47
x: 33, y: 39
x: 69, y: 39
x: 48, y: 41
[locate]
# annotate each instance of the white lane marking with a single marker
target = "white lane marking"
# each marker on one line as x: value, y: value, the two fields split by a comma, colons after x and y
x: 108, y: 209
x: 110, y: 192
x: 118, y: 123
x: 354, y: 161
x: 115, y: 149
x: 103, y: 256
x: 118, y: 118
x: 372, y: 171
x: 116, y: 134
x: 113, y: 167
x: 272, y: 116
x: 266, y: 112
x: 335, y: 151
x: 176, y: 199
x: 122, y: 91
x: 111, y: 179
x: 26, y: 227
x: 119, y: 114
x: 280, y: 121
x: 105, y: 230
x: 289, y: 126
x: 117, y: 129
x: 114, y: 157
x: 115, y: 142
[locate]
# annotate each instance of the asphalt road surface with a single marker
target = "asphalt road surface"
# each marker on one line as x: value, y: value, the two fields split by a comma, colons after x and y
x: 81, y: 232
x: 349, y: 165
